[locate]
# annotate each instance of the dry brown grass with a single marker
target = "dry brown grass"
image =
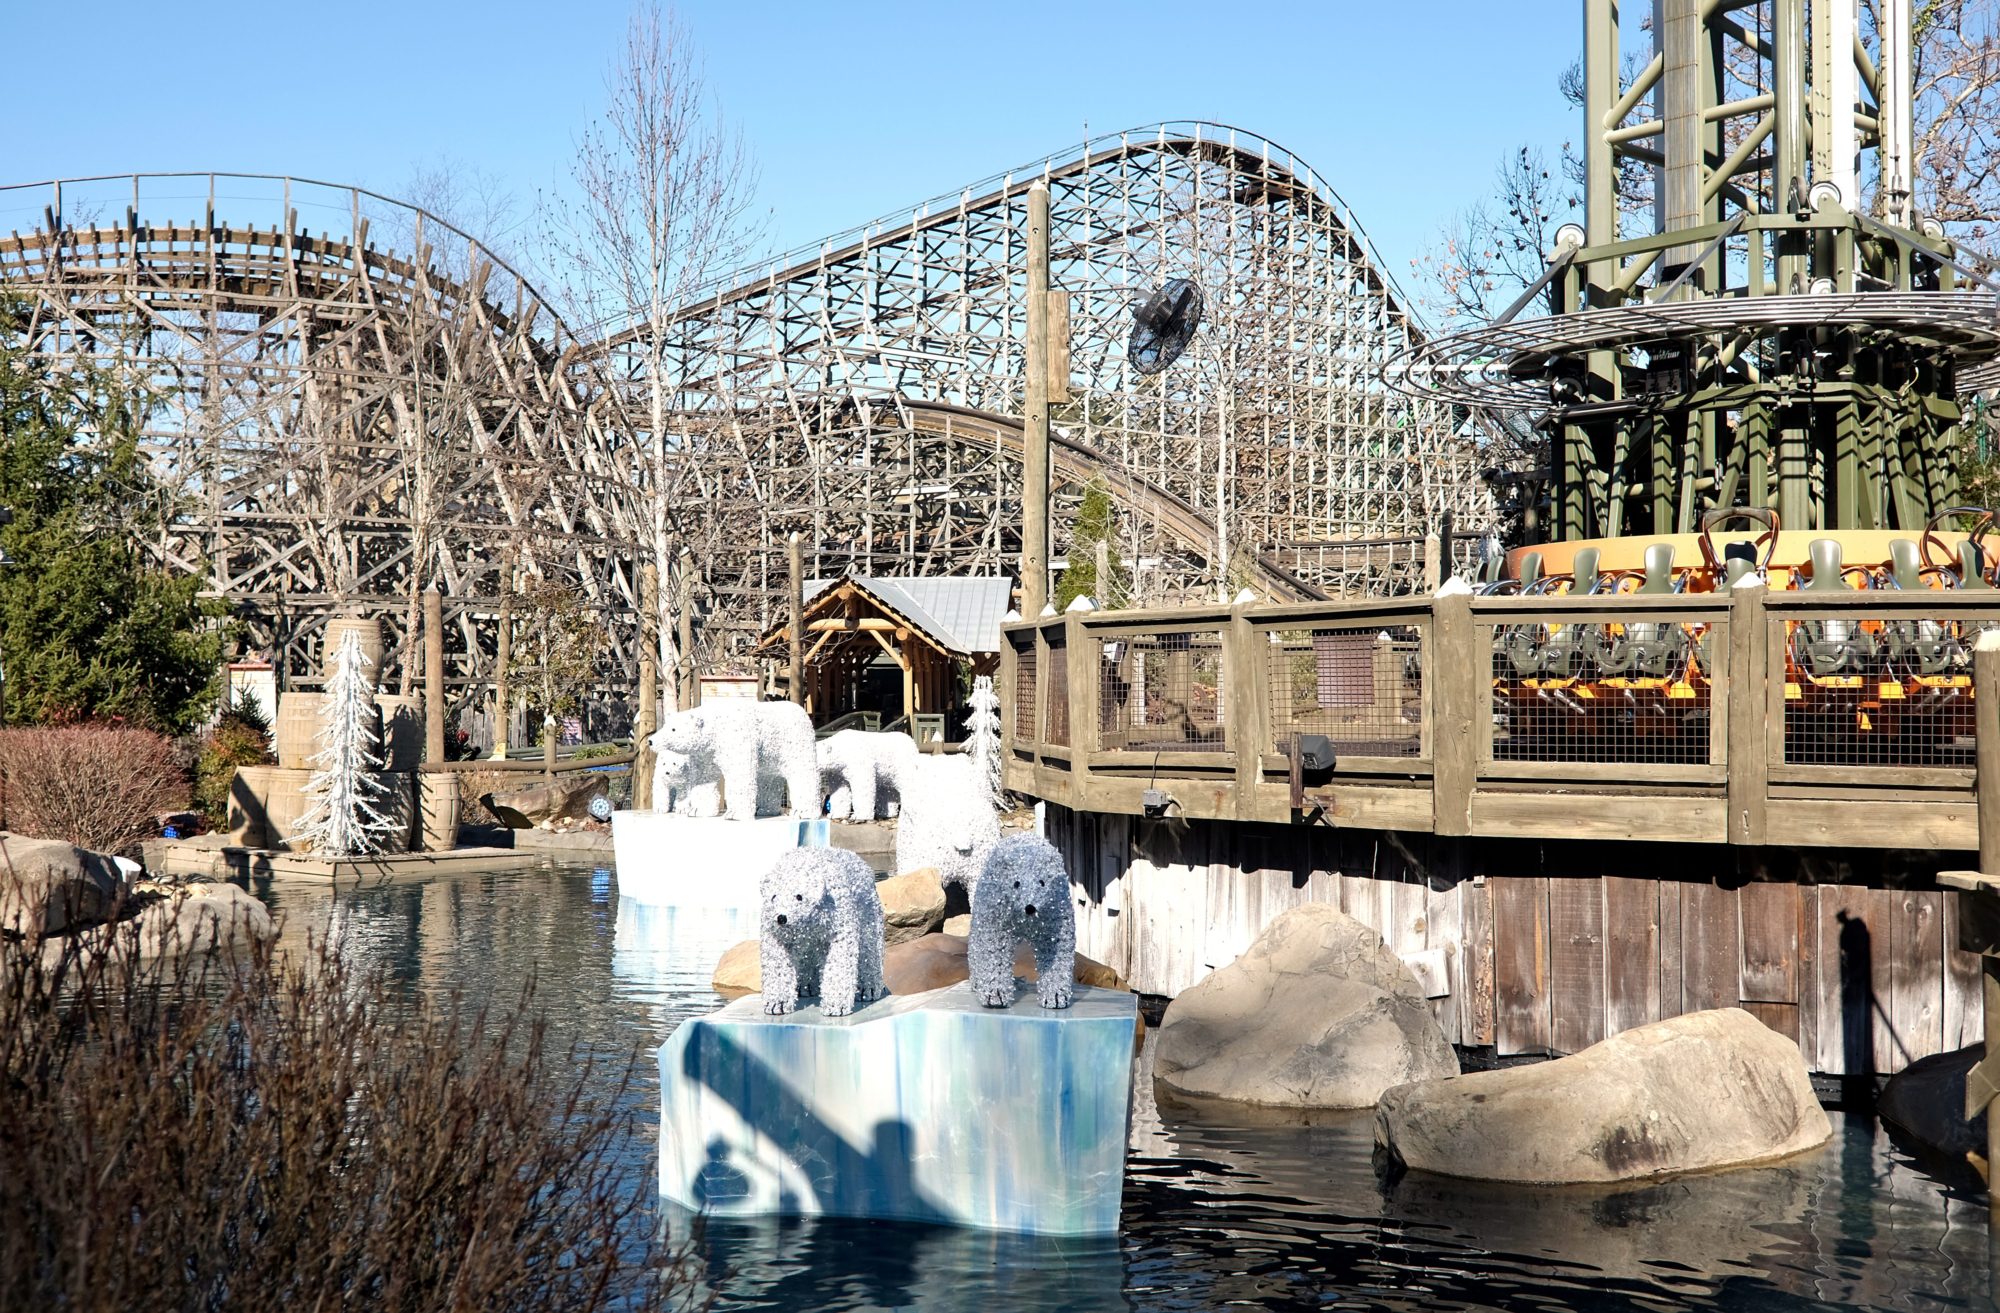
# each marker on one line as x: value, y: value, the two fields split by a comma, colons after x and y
x: 247, y: 1132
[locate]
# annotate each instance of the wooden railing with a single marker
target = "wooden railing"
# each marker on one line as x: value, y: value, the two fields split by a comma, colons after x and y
x: 1751, y: 717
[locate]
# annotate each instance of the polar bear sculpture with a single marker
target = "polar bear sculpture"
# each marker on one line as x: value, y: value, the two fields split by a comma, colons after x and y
x: 862, y: 773
x: 1022, y: 894
x: 748, y: 749
x: 822, y: 932
x: 948, y: 820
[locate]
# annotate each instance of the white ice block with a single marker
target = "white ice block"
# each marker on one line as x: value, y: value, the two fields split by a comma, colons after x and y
x: 702, y: 861
x: 922, y: 1107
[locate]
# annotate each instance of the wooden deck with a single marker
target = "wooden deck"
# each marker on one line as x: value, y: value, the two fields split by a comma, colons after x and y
x: 1751, y: 718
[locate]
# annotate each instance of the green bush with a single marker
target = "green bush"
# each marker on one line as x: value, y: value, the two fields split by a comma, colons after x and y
x: 241, y: 737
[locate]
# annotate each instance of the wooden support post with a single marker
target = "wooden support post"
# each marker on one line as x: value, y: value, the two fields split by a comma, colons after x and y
x: 1979, y: 897
x: 1746, y: 702
x: 1247, y: 670
x: 1080, y: 648
x: 649, y: 688
x: 503, y: 689
x: 1035, y: 420
x: 433, y: 674
x: 795, y: 569
x: 1463, y: 673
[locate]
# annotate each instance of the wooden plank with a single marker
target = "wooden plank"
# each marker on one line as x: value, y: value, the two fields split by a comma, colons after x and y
x: 1576, y: 963
x: 1556, y: 815
x: 1710, y: 950
x: 1631, y: 952
x: 1916, y: 1002
x: 1809, y: 989
x: 1521, y: 963
x: 1476, y: 1015
x: 1459, y: 669
x: 1444, y: 934
x: 1673, y: 992
x: 1856, y: 955
x: 1856, y: 823
x: 1749, y: 711
x: 1964, y: 1012
x: 1768, y: 931
x: 1781, y: 1017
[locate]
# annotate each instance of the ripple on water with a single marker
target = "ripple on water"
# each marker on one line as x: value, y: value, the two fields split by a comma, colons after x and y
x: 1222, y: 1207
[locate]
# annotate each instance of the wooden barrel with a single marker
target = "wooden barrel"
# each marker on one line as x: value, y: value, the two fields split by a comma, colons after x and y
x: 367, y: 629
x: 437, y: 810
x: 402, y: 732
x: 284, y: 802
x: 295, y: 733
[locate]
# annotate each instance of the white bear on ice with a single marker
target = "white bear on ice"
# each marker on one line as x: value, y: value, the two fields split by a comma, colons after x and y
x: 746, y: 749
x: 822, y: 932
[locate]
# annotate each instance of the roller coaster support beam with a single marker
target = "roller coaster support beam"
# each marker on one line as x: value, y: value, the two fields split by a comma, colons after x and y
x: 1035, y: 420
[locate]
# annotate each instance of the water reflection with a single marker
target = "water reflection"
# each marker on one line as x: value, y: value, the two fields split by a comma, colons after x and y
x: 1221, y: 1207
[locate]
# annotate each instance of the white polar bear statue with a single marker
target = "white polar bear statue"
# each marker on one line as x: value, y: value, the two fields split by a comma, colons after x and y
x: 822, y: 932
x: 862, y: 772
x: 1022, y: 894
x: 747, y: 749
x: 948, y: 820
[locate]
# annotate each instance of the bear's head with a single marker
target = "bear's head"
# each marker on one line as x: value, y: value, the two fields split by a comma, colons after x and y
x: 1028, y: 877
x: 684, y: 732
x: 673, y: 766
x: 794, y: 899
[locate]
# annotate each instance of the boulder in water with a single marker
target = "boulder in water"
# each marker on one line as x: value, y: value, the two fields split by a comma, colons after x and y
x: 1704, y: 1090
x: 1317, y: 1014
x: 49, y: 887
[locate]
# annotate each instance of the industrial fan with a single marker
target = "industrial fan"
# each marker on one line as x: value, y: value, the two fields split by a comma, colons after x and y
x: 1163, y: 325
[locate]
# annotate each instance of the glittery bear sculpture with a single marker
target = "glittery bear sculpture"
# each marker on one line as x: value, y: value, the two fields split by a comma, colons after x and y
x: 1023, y: 893
x: 822, y: 924
x: 748, y: 748
x: 862, y: 773
x: 948, y: 823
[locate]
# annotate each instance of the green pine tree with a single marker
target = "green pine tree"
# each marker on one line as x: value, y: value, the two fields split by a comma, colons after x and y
x: 1096, y: 522
x: 89, y: 628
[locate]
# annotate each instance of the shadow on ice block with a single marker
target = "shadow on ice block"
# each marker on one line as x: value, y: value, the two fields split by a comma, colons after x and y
x: 702, y: 861
x: 918, y: 1107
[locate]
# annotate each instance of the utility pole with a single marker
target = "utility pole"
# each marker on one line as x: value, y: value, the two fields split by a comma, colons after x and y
x: 1035, y: 420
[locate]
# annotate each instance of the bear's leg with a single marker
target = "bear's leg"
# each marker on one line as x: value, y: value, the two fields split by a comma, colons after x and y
x: 840, y: 803
x: 700, y: 800
x: 781, y: 980
x: 737, y: 764
x: 802, y: 785
x: 991, y: 959
x: 869, y: 978
x: 1055, y: 963
x: 862, y: 785
x: 840, y: 977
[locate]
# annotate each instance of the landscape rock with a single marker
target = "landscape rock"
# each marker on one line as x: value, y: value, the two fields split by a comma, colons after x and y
x: 1318, y: 1013
x: 50, y: 887
x: 960, y: 925
x: 1704, y: 1090
x: 912, y: 905
x: 740, y: 970
x: 203, y: 917
x: 566, y: 797
x: 1926, y: 1102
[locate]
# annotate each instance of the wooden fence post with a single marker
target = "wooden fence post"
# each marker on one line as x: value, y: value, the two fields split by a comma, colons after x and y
x: 1747, y: 707
x: 1248, y: 732
x: 1461, y: 667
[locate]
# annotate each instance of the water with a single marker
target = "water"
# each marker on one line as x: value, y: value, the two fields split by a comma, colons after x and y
x: 1223, y: 1208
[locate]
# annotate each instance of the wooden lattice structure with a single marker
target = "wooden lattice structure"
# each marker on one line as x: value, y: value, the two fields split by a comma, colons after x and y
x: 355, y: 398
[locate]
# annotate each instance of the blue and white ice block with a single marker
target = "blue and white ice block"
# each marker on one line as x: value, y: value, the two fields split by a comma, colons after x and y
x: 918, y: 1107
x: 702, y: 861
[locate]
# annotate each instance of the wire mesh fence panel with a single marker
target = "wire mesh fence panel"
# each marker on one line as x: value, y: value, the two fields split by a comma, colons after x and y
x: 1058, y: 687
x: 1878, y: 690
x: 1161, y: 693
x: 1361, y: 685
x: 1635, y: 691
x: 1024, y: 688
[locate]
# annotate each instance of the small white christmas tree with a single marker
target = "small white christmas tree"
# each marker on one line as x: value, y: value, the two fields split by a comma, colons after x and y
x: 343, y: 820
x: 982, y: 733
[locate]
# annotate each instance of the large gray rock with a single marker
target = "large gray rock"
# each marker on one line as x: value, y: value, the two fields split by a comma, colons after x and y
x: 1317, y: 1014
x: 566, y: 797
x: 49, y: 887
x: 1704, y: 1090
x: 202, y: 918
x: 912, y: 905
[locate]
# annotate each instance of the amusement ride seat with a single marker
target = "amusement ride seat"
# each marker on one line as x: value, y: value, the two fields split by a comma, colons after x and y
x: 1836, y: 646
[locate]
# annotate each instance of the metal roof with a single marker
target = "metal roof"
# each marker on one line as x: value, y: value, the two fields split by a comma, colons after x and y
x: 959, y: 612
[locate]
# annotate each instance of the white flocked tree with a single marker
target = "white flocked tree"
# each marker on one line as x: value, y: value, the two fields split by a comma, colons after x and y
x: 344, y: 819
x: 982, y: 732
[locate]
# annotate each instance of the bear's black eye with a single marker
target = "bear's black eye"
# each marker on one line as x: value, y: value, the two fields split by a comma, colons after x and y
x: 799, y: 897
x: 1017, y: 884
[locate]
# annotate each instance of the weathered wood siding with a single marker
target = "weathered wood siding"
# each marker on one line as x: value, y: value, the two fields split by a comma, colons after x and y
x: 1550, y: 946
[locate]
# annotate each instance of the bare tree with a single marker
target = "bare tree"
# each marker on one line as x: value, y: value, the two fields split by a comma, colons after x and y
x: 660, y: 207
x: 1495, y: 247
x: 1956, y: 160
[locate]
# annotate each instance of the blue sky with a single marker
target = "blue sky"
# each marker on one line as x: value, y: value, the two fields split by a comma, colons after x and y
x: 852, y: 110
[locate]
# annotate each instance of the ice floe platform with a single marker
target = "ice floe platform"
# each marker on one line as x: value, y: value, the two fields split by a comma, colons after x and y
x: 918, y: 1107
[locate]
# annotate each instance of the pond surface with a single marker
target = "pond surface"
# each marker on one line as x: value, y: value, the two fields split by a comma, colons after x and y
x: 1222, y: 1209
